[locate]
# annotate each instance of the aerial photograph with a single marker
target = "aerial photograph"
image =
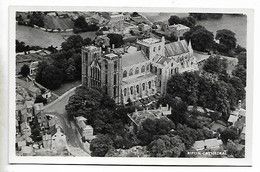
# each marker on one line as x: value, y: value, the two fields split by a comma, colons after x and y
x: 130, y: 84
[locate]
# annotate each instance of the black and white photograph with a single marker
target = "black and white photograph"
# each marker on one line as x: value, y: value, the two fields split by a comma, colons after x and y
x: 130, y: 84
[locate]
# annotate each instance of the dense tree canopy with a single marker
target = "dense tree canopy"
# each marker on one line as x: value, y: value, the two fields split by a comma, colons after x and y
x: 166, y: 146
x: 73, y: 42
x: 214, y: 64
x: 229, y: 133
x: 83, y: 101
x: 227, y: 40
x: 152, y: 127
x: 240, y: 72
x: 49, y: 75
x: 187, y: 21
x: 202, y: 39
x: 101, y: 145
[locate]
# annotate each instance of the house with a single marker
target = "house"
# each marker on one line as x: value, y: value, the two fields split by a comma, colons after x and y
x: 138, y: 117
x: 46, y: 141
x: 127, y: 16
x: 29, y: 87
x: 86, y: 131
x: 51, y: 14
x: 25, y: 129
x: 33, y: 68
x: 29, y: 110
x: 27, y: 151
x: 38, y: 108
x: 207, y: 144
x: 115, y: 17
x: 59, y: 142
x: 42, y: 121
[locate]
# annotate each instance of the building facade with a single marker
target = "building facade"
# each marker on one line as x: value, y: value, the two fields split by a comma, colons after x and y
x: 139, y: 73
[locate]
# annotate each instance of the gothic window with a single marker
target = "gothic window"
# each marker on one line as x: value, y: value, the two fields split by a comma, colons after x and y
x: 153, y: 49
x: 149, y: 84
x: 171, y: 71
x: 137, y: 88
x: 106, y: 90
x: 115, y: 91
x: 142, y: 69
x: 172, y: 64
x: 131, y: 90
x: 137, y: 70
x: 131, y: 72
x: 125, y: 92
x: 106, y: 79
x: 159, y: 47
x: 155, y: 70
x: 160, y: 83
x: 147, y: 67
x: 115, y: 65
x: 115, y: 79
x: 143, y: 85
x: 160, y: 71
x: 125, y: 74
x: 176, y: 70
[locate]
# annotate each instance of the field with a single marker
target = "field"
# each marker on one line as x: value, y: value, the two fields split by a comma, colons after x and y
x: 36, y: 37
x: 54, y: 22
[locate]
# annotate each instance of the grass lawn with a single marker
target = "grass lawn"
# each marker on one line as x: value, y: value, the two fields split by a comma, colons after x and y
x: 36, y: 37
x: 65, y: 87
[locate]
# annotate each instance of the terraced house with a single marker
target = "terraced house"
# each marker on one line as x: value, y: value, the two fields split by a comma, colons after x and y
x: 137, y: 71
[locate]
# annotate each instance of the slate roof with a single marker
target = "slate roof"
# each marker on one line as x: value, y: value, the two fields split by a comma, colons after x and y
x: 133, y: 58
x: 209, y: 143
x: 27, y: 85
x: 176, y: 48
x: 162, y: 60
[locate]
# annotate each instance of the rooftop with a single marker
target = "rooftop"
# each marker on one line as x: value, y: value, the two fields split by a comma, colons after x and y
x: 176, y: 48
x: 138, y: 78
x: 149, y: 41
x: 179, y: 26
x: 209, y: 143
x: 130, y: 59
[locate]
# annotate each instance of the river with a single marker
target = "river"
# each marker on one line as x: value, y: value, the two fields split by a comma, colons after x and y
x: 237, y: 24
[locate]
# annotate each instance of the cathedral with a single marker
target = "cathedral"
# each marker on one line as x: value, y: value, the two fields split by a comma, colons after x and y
x: 137, y: 71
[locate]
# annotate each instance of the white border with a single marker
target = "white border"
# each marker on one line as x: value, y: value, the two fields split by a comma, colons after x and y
x: 130, y: 161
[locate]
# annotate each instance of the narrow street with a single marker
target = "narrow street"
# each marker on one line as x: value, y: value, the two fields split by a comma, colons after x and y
x: 58, y: 109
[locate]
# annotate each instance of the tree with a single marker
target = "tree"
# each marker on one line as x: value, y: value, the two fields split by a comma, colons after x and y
x: 227, y: 40
x: 238, y: 87
x: 135, y: 14
x: 87, y: 41
x: 49, y: 76
x: 242, y: 58
x: 37, y: 19
x: 166, y: 146
x: 40, y: 99
x: 240, y: 72
x: 115, y: 39
x: 229, y: 133
x: 202, y: 40
x: 73, y: 42
x: 25, y: 70
x: 100, y: 145
x: 80, y: 22
x: 152, y: 127
x: 184, y: 86
x: 174, y: 20
x: 214, y: 64
x: 186, y: 134
x: 83, y: 101
x: 199, y: 16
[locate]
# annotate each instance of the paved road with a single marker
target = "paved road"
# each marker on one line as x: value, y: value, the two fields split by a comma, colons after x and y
x: 58, y: 109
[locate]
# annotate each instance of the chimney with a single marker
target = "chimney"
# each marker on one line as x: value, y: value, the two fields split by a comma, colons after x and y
x: 113, y: 46
x: 239, y: 104
x: 135, y: 109
x: 160, y: 107
x: 167, y: 106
